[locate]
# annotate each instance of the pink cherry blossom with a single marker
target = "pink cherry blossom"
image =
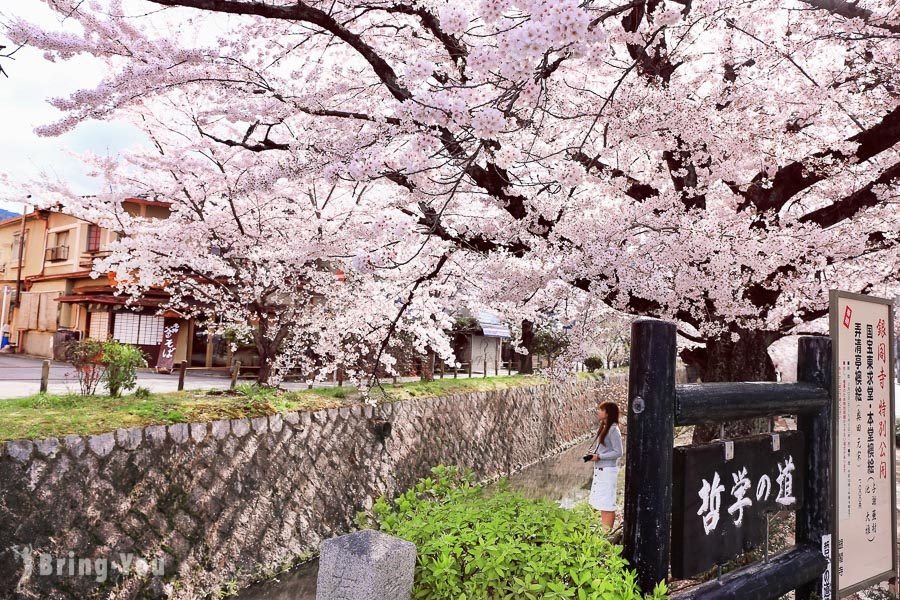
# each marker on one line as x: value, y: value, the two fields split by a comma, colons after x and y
x: 722, y: 164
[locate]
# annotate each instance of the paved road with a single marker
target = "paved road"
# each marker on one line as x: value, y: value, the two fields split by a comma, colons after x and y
x: 20, y: 376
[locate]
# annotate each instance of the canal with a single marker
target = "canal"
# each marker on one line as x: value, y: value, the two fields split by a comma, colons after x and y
x: 563, y: 478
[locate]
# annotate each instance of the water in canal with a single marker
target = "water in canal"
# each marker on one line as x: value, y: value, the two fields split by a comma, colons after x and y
x: 563, y: 478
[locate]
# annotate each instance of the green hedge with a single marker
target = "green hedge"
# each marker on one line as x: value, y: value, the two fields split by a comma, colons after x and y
x: 475, y: 544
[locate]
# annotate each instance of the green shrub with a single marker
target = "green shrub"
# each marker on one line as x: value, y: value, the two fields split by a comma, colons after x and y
x: 85, y: 356
x: 592, y: 363
x: 550, y: 343
x: 474, y: 545
x: 121, y: 362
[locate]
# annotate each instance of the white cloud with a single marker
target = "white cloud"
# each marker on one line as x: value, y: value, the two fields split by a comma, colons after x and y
x: 32, y: 80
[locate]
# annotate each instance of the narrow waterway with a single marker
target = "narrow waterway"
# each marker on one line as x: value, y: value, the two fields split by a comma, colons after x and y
x: 298, y: 584
x: 563, y: 478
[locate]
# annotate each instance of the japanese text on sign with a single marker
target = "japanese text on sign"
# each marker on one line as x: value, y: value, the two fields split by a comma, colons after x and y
x: 721, y: 498
x: 864, y: 545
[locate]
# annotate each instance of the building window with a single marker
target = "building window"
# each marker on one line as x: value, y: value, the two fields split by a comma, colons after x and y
x: 60, y: 250
x: 151, y: 331
x: 93, y: 238
x: 126, y: 327
x: 17, y: 243
x: 140, y: 330
x: 99, y: 325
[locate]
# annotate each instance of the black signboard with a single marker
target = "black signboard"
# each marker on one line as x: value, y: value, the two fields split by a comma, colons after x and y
x: 722, y: 492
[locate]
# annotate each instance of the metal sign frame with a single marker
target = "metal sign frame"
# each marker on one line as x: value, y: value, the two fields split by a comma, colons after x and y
x: 834, y: 324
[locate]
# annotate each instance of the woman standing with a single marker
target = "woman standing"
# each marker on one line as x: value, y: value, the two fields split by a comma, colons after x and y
x: 605, y: 452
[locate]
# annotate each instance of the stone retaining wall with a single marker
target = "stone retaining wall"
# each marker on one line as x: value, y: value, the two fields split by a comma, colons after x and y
x: 214, y: 505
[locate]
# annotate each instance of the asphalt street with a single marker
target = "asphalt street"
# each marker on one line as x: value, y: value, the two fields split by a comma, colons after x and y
x: 20, y: 376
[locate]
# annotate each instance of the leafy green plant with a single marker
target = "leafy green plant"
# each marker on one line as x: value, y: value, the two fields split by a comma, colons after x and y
x: 472, y: 544
x: 592, y: 363
x: 550, y: 343
x: 466, y: 324
x: 255, y: 391
x: 85, y: 356
x: 142, y: 392
x: 121, y: 362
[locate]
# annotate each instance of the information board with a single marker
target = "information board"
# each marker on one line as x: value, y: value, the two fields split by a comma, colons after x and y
x: 864, y: 522
x: 723, y: 493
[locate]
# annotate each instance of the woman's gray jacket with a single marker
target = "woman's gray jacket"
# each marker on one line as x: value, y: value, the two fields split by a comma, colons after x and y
x: 609, y: 451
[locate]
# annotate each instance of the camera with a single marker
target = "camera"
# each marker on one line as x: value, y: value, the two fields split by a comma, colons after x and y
x: 587, y: 457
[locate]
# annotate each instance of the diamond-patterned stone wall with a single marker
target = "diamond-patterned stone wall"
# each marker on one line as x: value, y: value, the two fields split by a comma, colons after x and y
x: 230, y: 501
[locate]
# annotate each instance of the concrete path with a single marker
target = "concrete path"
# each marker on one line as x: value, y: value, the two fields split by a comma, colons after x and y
x: 20, y: 376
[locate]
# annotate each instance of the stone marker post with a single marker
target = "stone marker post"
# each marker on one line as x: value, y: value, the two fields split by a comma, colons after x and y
x: 366, y: 565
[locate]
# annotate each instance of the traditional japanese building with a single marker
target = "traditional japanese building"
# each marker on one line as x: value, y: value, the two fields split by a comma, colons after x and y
x: 47, y: 294
x: 479, y: 341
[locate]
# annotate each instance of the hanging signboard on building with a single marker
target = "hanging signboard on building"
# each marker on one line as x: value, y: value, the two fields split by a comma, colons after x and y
x: 166, y: 360
x: 724, y: 492
x: 864, y: 522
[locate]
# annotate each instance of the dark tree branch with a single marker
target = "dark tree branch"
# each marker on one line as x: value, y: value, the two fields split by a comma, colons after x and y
x: 614, y: 12
x: 307, y: 14
x: 637, y: 190
x: 848, y: 207
x: 797, y: 176
x: 455, y: 49
x: 683, y: 173
x: 344, y: 114
x: 409, y: 298
x: 261, y: 146
x: 851, y: 11
x: 656, y: 66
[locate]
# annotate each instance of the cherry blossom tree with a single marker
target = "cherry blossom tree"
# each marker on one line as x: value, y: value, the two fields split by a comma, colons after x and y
x: 276, y: 264
x: 715, y: 162
x: 614, y: 339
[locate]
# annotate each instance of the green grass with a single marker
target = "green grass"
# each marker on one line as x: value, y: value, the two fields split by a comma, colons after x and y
x: 48, y: 415
x: 600, y: 373
x: 446, y: 387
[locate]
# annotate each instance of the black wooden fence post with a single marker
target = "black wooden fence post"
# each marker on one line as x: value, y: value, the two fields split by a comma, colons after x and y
x: 814, y: 365
x: 650, y: 440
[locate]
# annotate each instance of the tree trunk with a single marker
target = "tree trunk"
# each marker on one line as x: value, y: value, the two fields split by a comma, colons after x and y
x: 427, y: 372
x: 266, y: 358
x: 267, y: 351
x: 526, y: 364
x: 724, y: 359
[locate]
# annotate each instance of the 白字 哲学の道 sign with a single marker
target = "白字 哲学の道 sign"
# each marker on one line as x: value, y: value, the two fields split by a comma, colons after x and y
x: 721, y: 499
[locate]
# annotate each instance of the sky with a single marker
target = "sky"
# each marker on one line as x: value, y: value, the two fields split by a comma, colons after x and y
x: 23, y: 106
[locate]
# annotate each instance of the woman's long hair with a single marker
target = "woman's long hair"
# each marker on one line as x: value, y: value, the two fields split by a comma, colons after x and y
x: 612, y: 418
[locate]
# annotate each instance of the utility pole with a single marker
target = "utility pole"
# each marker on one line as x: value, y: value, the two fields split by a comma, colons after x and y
x: 20, y: 258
